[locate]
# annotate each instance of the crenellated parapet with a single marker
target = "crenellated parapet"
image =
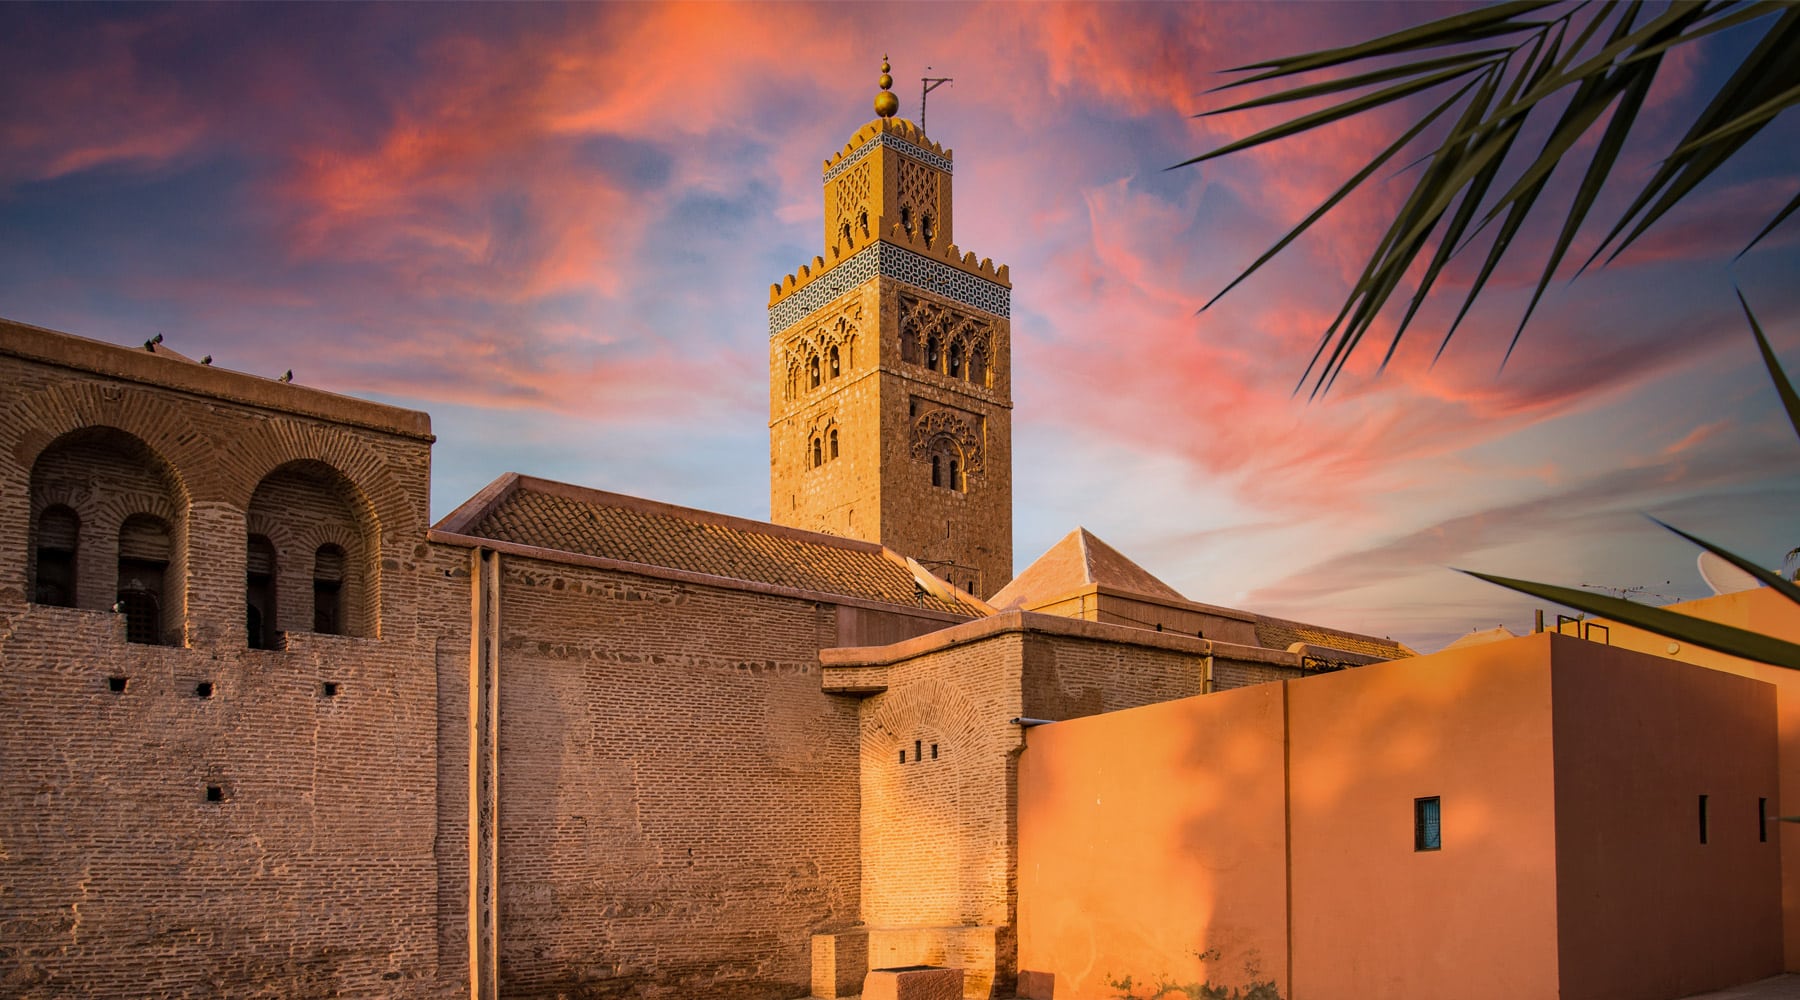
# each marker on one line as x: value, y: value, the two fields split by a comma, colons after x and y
x: 893, y: 133
x: 946, y: 270
x: 950, y: 254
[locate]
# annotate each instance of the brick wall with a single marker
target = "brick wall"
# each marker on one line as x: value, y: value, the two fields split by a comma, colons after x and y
x: 678, y: 797
x: 939, y: 768
x: 310, y: 870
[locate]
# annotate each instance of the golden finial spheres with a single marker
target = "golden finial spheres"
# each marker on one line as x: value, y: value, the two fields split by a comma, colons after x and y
x: 886, y: 104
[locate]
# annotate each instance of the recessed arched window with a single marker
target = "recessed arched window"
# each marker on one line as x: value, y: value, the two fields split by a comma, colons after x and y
x: 927, y: 228
x: 933, y: 354
x: 947, y: 464
x: 96, y: 482
x: 328, y: 579
x: 956, y: 360
x: 978, y: 365
x: 844, y: 234
x: 259, y: 593
x: 143, y: 562
x: 58, y: 533
x: 818, y: 453
x: 837, y: 367
x: 862, y: 221
x: 812, y: 367
x: 328, y: 590
x: 834, y: 448
x: 906, y: 221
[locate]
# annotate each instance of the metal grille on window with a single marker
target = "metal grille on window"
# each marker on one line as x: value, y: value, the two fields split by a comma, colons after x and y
x: 1426, y: 826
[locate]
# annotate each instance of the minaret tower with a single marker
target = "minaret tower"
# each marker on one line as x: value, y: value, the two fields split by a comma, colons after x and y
x: 890, y: 367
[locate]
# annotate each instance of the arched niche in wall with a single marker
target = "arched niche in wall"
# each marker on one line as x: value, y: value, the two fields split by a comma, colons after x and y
x: 109, y: 530
x: 326, y: 546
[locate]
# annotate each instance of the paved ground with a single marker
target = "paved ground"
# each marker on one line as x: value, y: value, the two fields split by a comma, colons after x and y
x: 1778, y: 988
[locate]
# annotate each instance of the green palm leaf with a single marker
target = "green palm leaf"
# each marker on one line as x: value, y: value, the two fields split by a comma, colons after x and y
x: 1454, y: 199
x: 1683, y: 628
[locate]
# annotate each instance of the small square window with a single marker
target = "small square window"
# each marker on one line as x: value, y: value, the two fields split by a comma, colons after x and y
x: 1427, y: 831
x: 215, y: 793
x: 203, y: 689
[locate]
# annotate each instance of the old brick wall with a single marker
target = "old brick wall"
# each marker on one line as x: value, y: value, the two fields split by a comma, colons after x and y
x: 678, y: 798
x: 938, y: 758
x: 1067, y: 677
x: 312, y: 873
x: 1234, y: 672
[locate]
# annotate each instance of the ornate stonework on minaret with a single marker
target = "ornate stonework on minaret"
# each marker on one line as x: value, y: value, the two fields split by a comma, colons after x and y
x: 890, y: 388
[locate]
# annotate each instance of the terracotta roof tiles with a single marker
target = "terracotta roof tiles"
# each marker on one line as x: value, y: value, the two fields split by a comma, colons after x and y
x: 632, y: 530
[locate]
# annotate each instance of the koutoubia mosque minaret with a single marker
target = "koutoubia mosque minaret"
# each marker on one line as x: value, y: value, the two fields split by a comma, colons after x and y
x: 890, y: 375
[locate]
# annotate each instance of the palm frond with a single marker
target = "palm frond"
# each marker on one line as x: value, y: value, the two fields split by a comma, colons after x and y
x: 1610, y: 65
x: 1682, y: 628
x: 1783, y: 388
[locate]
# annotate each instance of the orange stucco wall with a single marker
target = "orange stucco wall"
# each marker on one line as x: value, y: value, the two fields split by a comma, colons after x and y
x: 1644, y: 908
x: 1275, y: 824
x: 1372, y: 917
x: 1148, y: 835
x: 1765, y: 611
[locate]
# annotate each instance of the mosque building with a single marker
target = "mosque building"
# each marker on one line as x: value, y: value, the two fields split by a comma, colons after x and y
x: 272, y: 733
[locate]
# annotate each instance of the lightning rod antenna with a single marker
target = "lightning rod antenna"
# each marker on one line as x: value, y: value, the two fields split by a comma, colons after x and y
x: 927, y: 85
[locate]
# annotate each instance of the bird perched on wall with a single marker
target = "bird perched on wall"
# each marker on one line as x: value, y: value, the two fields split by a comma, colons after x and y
x: 150, y: 345
x: 286, y: 376
x: 206, y: 360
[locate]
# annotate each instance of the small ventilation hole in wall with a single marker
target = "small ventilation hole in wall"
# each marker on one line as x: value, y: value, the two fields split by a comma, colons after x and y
x: 203, y: 689
x: 918, y: 748
x: 934, y: 751
x: 116, y: 684
x: 214, y: 793
x: 329, y: 689
x: 902, y: 755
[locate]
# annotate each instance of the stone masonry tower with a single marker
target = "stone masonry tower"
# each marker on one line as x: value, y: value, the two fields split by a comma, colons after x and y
x: 890, y: 389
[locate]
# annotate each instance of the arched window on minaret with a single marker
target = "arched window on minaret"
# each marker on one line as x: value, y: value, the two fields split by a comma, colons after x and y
x: 818, y: 453
x: 927, y: 228
x: 844, y: 234
x: 837, y: 367
x: 933, y: 354
x: 947, y: 464
x: 812, y: 366
x: 956, y: 359
x: 834, y: 448
x: 906, y: 220
x: 862, y: 221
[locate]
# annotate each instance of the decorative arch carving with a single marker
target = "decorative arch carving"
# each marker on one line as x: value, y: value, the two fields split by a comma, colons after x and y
x: 957, y: 335
x: 935, y: 425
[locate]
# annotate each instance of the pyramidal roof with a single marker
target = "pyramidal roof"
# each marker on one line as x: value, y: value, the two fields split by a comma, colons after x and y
x: 1079, y: 560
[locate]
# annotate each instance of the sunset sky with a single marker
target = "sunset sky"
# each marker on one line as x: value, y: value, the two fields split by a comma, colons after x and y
x: 554, y: 228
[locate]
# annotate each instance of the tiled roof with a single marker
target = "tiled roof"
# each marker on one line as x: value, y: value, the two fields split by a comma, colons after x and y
x: 1277, y: 633
x: 1078, y: 561
x: 629, y: 529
